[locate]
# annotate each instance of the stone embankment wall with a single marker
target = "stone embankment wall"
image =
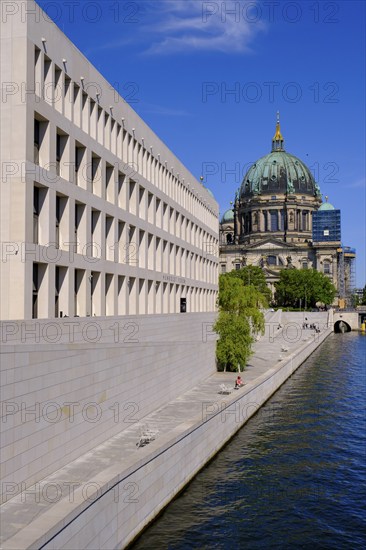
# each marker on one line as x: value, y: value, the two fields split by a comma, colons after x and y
x: 68, y: 385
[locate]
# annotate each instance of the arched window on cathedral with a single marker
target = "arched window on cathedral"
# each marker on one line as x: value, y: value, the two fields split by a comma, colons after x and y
x: 272, y: 260
x: 229, y: 238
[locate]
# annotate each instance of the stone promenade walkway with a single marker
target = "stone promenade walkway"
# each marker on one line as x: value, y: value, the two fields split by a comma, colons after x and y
x: 284, y: 335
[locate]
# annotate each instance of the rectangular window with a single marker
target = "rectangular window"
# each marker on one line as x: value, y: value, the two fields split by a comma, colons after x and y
x: 274, y: 220
x: 35, y: 291
x: 58, y: 89
x: 58, y: 153
x: 80, y: 165
x: 58, y: 221
x: 57, y: 291
x: 36, y: 141
x: 109, y: 183
x: 47, y: 80
x: 76, y: 104
x: 62, y: 154
x: 304, y: 221
x: 36, y: 209
x: 121, y: 190
x: 282, y: 220
x: 79, y: 236
x: 41, y: 153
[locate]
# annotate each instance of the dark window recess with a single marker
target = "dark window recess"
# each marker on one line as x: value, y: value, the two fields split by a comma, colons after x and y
x: 37, y: 138
x: 35, y: 292
x: 35, y: 215
x: 58, y: 220
x: 36, y: 133
x: 58, y: 153
x: 57, y: 291
x: 274, y: 220
x: 58, y: 147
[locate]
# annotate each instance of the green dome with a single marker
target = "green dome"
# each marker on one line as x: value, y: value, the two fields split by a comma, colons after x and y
x: 228, y: 216
x: 326, y: 206
x: 278, y: 172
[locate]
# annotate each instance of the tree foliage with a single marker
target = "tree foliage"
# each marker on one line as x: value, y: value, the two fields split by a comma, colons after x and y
x: 363, y: 299
x: 238, y: 321
x: 300, y: 287
x: 253, y: 275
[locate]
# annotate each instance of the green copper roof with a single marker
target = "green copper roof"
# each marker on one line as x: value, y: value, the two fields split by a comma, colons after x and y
x: 228, y: 216
x: 326, y: 206
x: 278, y: 172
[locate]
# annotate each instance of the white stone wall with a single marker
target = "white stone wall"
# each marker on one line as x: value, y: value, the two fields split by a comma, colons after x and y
x: 68, y: 385
x: 98, y: 217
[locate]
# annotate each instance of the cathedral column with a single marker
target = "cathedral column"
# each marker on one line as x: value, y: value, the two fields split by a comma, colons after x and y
x: 237, y: 227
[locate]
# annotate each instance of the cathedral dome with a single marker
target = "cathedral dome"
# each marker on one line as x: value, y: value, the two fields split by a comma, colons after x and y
x: 228, y: 216
x: 278, y: 172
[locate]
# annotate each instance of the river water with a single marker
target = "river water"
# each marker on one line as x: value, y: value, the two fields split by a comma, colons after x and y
x: 294, y: 476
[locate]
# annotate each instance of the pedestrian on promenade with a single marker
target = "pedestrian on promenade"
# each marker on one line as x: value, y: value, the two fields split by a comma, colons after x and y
x: 238, y: 383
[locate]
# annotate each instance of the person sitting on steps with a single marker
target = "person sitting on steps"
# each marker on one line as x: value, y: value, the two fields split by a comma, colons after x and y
x: 238, y: 383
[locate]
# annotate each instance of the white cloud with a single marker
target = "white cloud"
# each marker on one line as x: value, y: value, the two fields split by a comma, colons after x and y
x: 194, y: 25
x: 162, y: 110
x: 357, y: 184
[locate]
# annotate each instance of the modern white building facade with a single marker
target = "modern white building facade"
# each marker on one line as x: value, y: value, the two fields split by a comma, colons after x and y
x: 98, y: 217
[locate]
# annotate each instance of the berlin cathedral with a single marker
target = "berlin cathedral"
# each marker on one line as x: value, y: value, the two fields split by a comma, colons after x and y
x: 278, y: 220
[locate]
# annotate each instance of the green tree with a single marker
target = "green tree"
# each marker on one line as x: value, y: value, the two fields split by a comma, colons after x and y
x: 363, y: 299
x: 239, y: 320
x: 253, y: 275
x: 355, y: 300
x: 303, y: 287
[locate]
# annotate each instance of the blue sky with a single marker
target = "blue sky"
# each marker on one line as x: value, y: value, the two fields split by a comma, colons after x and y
x: 176, y: 62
